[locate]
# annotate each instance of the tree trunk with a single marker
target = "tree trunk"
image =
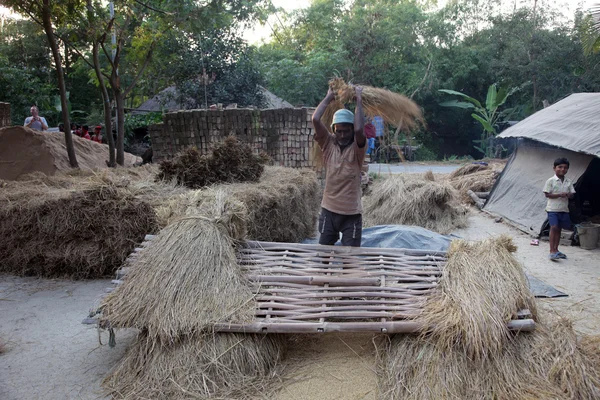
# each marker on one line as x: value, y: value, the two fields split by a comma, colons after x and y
x: 106, y: 104
x: 115, y: 83
x: 61, y: 83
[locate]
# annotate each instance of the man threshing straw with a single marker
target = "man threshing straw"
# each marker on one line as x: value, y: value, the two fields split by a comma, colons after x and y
x: 343, y: 155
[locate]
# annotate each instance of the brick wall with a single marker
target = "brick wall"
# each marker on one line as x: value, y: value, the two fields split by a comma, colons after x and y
x: 5, y: 115
x: 284, y: 134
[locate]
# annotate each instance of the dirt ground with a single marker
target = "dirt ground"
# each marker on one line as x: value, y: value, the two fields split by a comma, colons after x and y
x: 51, y: 355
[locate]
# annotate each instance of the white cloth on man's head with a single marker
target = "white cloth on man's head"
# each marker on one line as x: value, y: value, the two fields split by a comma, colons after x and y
x: 37, y: 125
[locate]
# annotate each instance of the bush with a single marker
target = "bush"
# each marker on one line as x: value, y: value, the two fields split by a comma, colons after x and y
x: 425, y: 154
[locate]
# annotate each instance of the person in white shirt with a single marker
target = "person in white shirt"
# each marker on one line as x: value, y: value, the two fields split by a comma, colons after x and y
x: 558, y: 191
x: 35, y: 121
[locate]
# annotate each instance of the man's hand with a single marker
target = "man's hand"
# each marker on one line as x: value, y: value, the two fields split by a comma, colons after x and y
x: 330, y: 94
x: 358, y: 92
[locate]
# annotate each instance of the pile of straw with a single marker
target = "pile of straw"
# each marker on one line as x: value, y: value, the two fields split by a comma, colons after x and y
x: 466, y: 350
x: 83, y: 232
x: 282, y: 207
x: 475, y: 177
x: 408, y: 200
x: 178, y: 288
x: 188, y: 279
x: 230, y: 161
x: 223, y: 365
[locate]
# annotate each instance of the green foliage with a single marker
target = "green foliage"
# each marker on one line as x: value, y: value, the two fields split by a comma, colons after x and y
x: 425, y: 154
x: 137, y: 121
x: 487, y: 116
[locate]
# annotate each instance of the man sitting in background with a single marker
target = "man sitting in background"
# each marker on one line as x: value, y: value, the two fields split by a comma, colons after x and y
x: 35, y: 121
x: 97, y: 136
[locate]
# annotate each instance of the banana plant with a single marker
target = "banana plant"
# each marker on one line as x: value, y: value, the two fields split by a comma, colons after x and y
x: 487, y: 116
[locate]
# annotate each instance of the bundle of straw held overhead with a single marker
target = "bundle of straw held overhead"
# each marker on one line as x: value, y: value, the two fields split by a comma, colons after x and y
x: 230, y: 161
x: 394, y: 108
x: 79, y: 232
x: 413, y: 200
x: 466, y: 351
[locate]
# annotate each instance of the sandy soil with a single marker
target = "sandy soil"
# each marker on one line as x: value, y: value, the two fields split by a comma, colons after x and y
x: 51, y: 355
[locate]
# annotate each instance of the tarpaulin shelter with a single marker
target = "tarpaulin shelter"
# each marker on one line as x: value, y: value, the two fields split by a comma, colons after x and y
x: 569, y: 128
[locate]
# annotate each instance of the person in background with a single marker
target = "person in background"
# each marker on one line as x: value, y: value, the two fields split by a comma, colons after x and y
x: 35, y: 121
x: 344, y: 151
x: 61, y: 127
x: 558, y: 191
x: 370, y: 133
x: 97, y: 136
x: 84, y: 132
x: 74, y: 130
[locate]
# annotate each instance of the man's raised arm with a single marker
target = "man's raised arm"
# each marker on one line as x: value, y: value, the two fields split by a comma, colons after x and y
x: 359, y: 119
x: 321, y: 131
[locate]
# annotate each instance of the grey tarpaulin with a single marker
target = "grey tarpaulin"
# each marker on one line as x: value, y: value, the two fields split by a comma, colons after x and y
x: 518, y: 196
x: 401, y: 237
x: 571, y: 123
x: 414, y: 237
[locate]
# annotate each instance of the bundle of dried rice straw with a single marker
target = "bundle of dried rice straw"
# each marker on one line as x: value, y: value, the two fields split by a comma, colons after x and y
x: 282, y: 207
x: 408, y: 200
x: 63, y: 229
x: 188, y: 279
x: 223, y: 366
x: 467, y: 352
x: 475, y: 177
x: 394, y: 108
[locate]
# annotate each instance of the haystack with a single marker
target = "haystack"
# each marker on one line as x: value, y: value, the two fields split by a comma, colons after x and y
x: 178, y: 288
x: 63, y: 232
x: 230, y: 161
x: 475, y: 177
x: 24, y: 150
x: 282, y: 207
x: 189, y: 279
x: 224, y: 366
x: 466, y: 350
x: 407, y: 200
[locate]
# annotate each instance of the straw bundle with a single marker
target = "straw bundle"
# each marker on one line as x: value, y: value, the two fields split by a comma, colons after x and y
x: 188, y: 279
x: 230, y: 161
x: 407, y: 200
x: 467, y: 351
x: 62, y: 232
x: 466, y: 311
x: 282, y: 207
x: 224, y: 365
x: 468, y: 169
x: 481, y: 181
x: 394, y: 108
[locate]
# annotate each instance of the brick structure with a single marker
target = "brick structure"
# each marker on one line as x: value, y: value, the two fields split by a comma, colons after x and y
x: 5, y: 115
x: 284, y: 134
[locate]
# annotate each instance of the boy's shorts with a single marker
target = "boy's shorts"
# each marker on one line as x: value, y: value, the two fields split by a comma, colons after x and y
x: 560, y: 219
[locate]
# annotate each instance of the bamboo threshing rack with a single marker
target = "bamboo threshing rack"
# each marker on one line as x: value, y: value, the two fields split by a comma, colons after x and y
x: 304, y: 288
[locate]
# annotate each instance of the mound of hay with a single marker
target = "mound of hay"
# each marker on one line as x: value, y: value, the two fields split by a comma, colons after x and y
x: 468, y: 169
x: 222, y: 365
x: 406, y: 200
x: 282, y: 207
x: 467, y: 352
x: 188, y: 279
x: 24, y: 150
x: 58, y: 232
x: 230, y: 161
